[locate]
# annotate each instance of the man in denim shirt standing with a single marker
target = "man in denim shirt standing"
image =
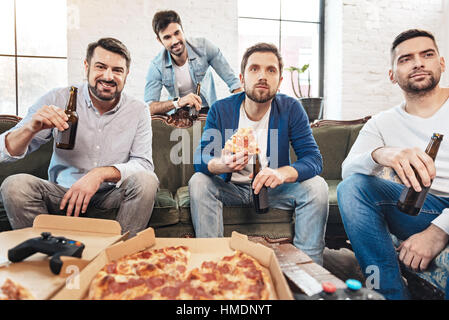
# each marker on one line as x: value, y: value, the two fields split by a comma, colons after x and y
x: 181, y: 66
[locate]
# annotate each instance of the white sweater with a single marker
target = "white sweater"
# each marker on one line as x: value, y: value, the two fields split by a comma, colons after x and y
x: 397, y: 128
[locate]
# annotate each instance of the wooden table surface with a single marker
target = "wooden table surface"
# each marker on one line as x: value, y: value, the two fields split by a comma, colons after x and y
x: 298, y: 267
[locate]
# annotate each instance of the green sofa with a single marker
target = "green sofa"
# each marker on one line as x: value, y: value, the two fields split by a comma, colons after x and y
x: 173, y: 149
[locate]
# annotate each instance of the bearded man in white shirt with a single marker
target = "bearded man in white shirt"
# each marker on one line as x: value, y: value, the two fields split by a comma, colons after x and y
x: 396, y: 139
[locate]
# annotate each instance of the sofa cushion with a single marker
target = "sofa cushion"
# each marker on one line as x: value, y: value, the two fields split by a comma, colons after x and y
x: 233, y: 215
x: 173, y: 150
x: 166, y: 170
x: 334, y: 212
x: 165, y: 211
x: 332, y: 141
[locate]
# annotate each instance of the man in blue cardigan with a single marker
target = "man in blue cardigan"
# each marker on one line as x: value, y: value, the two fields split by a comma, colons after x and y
x: 223, y: 179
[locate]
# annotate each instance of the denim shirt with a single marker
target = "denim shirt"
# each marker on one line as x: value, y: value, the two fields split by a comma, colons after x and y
x: 201, y: 54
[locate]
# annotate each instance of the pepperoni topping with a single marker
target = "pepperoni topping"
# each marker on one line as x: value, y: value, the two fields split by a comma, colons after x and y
x: 209, y: 277
x: 154, y: 282
x: 257, y: 288
x: 224, y: 269
x: 146, y: 255
x: 209, y: 265
x: 245, y: 263
x: 253, y: 274
x: 119, y: 287
x: 181, y: 269
x: 168, y: 260
x: 111, y: 268
x: 170, y: 292
x: 228, y: 285
x: 237, y: 273
x: 228, y: 258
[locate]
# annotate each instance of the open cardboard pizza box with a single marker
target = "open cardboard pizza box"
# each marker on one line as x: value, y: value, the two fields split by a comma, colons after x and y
x: 202, y: 249
x: 34, y: 272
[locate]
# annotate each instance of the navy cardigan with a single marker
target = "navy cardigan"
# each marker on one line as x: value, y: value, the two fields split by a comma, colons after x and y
x: 288, y: 124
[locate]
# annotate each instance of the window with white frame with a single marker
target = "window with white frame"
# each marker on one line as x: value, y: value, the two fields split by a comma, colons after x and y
x: 296, y: 28
x: 33, y: 51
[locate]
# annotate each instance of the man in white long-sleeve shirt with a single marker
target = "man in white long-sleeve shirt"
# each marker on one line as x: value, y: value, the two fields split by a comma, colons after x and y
x: 396, y: 139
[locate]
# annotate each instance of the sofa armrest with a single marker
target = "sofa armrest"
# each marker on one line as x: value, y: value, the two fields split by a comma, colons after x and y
x: 322, y: 123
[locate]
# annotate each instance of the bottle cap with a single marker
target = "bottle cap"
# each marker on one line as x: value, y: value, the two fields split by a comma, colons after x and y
x: 329, y: 287
x: 353, y: 284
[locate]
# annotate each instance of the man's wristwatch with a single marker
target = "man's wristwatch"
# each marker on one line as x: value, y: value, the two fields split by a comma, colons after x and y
x: 175, y: 102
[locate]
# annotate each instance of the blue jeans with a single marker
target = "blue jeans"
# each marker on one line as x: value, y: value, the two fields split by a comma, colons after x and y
x: 368, y: 209
x: 309, y: 200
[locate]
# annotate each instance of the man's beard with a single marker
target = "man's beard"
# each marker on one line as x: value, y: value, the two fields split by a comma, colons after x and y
x: 421, y: 87
x: 260, y: 97
x: 101, y: 96
x: 97, y: 94
x: 178, y: 54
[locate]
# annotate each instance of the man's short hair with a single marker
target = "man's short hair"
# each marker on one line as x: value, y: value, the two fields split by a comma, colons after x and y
x: 410, y: 34
x: 261, y: 47
x: 112, y: 45
x: 162, y: 19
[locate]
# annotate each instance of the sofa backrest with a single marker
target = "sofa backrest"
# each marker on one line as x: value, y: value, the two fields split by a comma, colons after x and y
x: 335, y: 142
x: 173, y: 150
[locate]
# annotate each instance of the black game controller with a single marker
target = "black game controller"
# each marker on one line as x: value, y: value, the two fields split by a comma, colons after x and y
x: 353, y: 291
x: 52, y: 246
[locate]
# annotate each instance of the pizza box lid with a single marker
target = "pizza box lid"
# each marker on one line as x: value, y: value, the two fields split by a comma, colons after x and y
x: 201, y: 248
x: 34, y: 272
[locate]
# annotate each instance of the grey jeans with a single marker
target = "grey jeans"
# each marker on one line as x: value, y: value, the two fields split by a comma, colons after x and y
x: 308, y: 199
x: 25, y: 196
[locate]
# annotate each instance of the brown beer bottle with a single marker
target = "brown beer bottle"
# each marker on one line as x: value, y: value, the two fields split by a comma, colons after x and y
x: 192, y: 111
x: 261, y: 199
x: 410, y: 201
x: 66, y: 139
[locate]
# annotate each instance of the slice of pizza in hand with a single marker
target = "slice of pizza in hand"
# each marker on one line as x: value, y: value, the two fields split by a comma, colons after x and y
x: 243, y: 140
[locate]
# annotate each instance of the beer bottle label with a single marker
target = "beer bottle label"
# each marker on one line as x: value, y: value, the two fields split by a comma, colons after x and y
x: 422, y: 197
x: 263, y: 198
x: 64, y: 136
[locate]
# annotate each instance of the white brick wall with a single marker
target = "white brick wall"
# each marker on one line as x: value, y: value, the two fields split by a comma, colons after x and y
x: 369, y: 27
x: 130, y: 22
x: 358, y: 37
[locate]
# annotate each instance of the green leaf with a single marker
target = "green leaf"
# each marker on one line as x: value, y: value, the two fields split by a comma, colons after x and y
x: 304, y: 68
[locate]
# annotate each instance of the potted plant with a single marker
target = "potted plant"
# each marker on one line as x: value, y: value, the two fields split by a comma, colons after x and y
x: 312, y: 105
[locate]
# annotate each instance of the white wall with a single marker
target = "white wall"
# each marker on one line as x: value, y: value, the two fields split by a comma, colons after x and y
x: 368, y: 28
x: 333, y: 66
x: 357, y: 39
x: 444, y: 43
x: 130, y: 22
